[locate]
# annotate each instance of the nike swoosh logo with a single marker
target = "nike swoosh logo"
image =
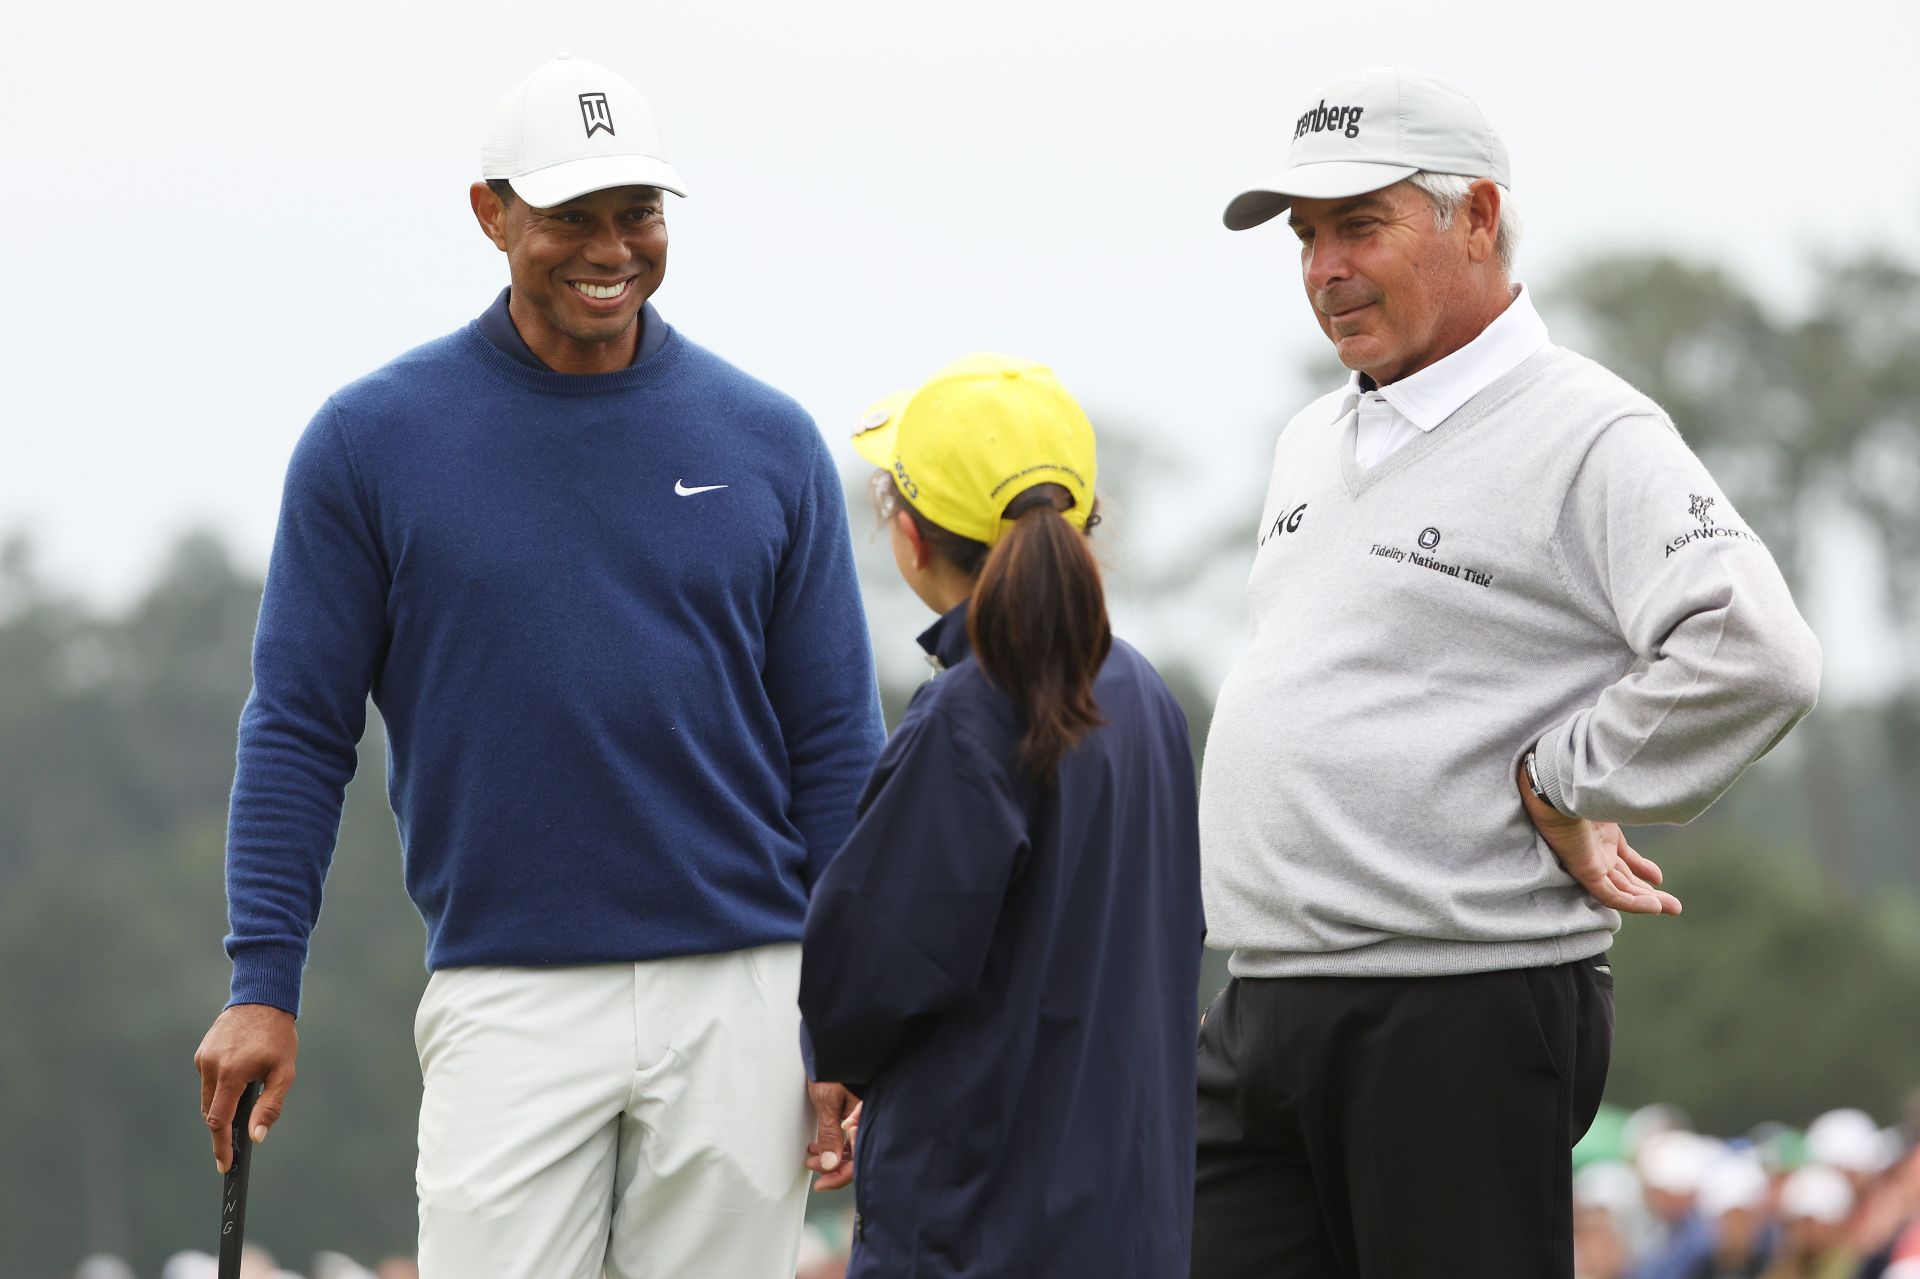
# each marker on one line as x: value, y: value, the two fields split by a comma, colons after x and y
x: 680, y: 487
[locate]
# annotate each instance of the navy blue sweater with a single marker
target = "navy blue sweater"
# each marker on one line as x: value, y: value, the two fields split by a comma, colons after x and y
x: 1008, y: 975
x: 622, y: 723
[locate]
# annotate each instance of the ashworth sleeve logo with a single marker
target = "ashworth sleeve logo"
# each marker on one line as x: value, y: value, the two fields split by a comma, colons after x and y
x: 1701, y: 509
x: 1324, y: 117
x: 594, y: 113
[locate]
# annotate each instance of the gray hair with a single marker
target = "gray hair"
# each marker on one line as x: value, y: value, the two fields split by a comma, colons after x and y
x: 1449, y: 193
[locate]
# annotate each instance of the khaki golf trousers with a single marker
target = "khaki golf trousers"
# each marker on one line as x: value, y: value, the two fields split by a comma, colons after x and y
x: 645, y: 1120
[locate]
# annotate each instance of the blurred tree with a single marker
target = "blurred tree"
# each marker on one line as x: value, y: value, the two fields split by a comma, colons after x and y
x: 116, y: 752
x: 137, y: 713
x: 1768, y: 999
x: 18, y: 581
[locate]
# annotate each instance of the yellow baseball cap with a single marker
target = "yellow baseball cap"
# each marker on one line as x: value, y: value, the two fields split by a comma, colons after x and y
x: 977, y: 434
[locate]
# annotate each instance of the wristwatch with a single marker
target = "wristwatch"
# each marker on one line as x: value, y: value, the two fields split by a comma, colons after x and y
x: 1533, y: 780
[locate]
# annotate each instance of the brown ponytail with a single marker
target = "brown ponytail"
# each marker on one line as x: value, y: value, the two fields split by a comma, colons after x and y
x: 1038, y: 623
x: 1038, y: 620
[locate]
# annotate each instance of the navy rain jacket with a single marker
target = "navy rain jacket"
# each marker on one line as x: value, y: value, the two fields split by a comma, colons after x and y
x: 1008, y: 976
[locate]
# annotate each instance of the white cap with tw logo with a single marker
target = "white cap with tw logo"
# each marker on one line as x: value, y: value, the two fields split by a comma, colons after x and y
x: 1370, y: 129
x: 573, y: 127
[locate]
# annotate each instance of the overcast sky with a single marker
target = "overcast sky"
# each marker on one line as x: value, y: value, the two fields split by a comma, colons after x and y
x: 216, y: 214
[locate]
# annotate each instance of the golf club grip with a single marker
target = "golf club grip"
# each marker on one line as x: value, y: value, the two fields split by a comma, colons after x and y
x: 233, y: 1187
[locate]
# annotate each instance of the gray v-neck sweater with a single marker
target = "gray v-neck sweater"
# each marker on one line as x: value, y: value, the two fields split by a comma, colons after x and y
x: 1550, y: 565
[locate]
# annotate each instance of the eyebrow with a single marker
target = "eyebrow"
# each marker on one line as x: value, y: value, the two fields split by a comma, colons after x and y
x: 1371, y: 200
x: 653, y: 195
x: 581, y: 206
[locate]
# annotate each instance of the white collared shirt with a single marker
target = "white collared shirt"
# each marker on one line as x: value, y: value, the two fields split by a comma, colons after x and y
x: 1393, y: 415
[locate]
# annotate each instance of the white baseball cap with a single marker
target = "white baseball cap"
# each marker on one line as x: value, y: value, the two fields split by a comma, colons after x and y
x: 1611, y: 1185
x: 1676, y: 1161
x: 1847, y: 1139
x: 1370, y: 129
x: 573, y: 127
x: 1734, y: 1182
x: 1817, y: 1192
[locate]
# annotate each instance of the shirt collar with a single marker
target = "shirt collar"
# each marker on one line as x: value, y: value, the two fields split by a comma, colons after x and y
x: 497, y: 326
x: 946, y: 640
x: 1429, y: 397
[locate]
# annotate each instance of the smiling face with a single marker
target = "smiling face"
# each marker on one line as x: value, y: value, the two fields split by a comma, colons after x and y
x: 581, y: 271
x: 1390, y: 289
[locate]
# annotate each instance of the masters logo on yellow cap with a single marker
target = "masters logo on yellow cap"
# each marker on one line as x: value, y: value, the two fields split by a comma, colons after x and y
x: 976, y: 435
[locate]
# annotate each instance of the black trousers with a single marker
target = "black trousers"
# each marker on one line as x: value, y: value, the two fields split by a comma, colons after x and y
x: 1397, y: 1127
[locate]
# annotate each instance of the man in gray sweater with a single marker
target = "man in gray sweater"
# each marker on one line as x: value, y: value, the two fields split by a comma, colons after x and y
x: 1498, y: 608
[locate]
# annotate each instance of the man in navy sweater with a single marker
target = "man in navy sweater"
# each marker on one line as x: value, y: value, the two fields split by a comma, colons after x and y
x: 600, y: 586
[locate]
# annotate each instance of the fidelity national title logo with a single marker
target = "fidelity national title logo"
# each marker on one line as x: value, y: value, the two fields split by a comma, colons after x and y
x: 1701, y: 509
x: 1428, y: 540
x: 595, y: 115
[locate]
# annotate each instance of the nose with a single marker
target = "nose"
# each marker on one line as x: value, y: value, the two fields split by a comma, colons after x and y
x: 1324, y: 263
x: 606, y: 247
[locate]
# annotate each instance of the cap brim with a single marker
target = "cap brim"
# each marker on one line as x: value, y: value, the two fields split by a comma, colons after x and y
x: 571, y: 179
x: 1329, y: 180
x: 876, y: 442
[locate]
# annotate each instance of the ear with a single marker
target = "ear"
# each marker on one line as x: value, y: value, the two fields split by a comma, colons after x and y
x: 1482, y: 219
x: 904, y: 525
x: 490, y: 213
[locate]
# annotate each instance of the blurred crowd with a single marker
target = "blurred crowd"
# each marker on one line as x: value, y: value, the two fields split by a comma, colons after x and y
x: 1654, y: 1199
x: 823, y: 1255
x: 255, y: 1263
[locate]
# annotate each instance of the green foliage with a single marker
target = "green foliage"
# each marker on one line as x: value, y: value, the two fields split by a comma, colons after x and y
x: 116, y: 746
x: 1770, y: 998
x: 131, y: 719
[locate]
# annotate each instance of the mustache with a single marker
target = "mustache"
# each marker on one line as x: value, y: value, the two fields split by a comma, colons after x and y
x: 1334, y: 301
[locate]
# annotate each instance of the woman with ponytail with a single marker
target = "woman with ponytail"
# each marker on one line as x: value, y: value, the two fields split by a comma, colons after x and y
x: 1002, y: 961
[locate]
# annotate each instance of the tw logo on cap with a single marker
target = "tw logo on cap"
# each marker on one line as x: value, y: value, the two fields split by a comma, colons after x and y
x: 594, y: 113
x: 1323, y: 117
